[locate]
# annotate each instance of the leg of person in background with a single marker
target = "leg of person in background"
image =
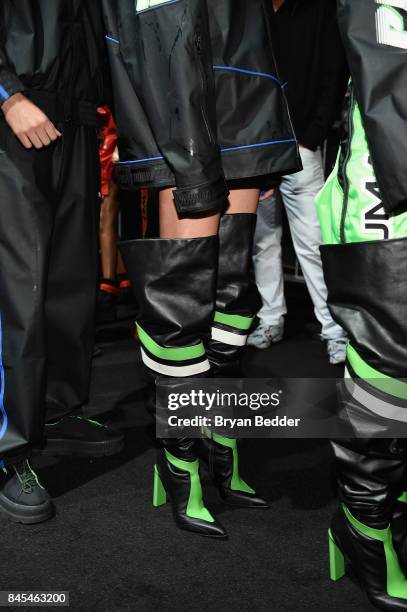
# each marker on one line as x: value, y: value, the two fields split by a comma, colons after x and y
x: 123, y: 283
x: 268, y: 269
x: 115, y: 298
x: 298, y: 192
x: 70, y: 302
x: 108, y: 289
x: 174, y: 280
x: 237, y: 302
x: 126, y: 304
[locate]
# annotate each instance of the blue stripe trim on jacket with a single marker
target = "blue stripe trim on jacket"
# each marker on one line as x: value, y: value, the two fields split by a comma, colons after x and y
x: 3, y: 93
x: 141, y: 161
x: 224, y: 150
x: 249, y: 72
x: 112, y: 39
x: 258, y: 144
x: 2, y: 387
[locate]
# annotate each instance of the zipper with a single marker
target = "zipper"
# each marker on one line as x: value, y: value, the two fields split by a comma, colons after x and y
x: 204, y: 85
x: 343, y: 167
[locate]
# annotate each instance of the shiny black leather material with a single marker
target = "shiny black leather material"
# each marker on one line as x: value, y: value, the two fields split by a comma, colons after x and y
x: 236, y: 293
x: 399, y: 532
x: 378, y: 65
x: 174, y: 282
x: 370, y: 475
x: 367, y: 295
x: 219, y: 461
x: 198, y: 98
x: 236, y: 290
x: 185, y: 449
x: 177, y: 485
x: 367, y: 559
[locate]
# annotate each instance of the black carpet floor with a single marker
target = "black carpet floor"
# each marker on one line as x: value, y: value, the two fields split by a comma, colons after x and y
x: 112, y: 551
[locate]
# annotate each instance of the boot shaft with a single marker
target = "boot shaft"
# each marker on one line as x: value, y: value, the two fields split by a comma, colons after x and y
x: 174, y: 282
x: 237, y: 297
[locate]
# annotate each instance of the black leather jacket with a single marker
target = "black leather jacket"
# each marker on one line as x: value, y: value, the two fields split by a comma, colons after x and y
x: 198, y: 99
x: 53, y: 47
x: 375, y: 38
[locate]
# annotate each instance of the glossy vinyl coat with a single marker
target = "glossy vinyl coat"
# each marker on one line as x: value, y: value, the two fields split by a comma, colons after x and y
x: 43, y: 45
x: 198, y: 98
x: 378, y: 65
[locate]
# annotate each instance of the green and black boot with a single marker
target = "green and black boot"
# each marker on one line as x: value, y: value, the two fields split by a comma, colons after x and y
x: 237, y: 296
x: 369, y: 474
x: 221, y: 457
x: 399, y: 529
x: 174, y: 282
x: 237, y: 302
x: 178, y: 480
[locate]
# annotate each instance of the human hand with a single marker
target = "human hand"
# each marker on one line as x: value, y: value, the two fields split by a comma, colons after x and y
x: 31, y: 126
x: 266, y: 195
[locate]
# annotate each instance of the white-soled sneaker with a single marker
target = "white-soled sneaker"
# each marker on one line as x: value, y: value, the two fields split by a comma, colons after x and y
x: 264, y: 335
x: 337, y: 350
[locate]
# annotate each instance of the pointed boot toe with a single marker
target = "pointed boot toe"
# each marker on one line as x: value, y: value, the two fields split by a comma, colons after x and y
x: 242, y: 499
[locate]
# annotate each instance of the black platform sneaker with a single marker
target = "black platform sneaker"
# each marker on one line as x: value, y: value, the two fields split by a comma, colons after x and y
x: 22, y: 497
x: 76, y: 435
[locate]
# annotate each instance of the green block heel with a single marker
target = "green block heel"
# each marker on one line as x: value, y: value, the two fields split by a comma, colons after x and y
x: 403, y: 498
x: 159, y: 493
x: 177, y: 480
x: 336, y: 559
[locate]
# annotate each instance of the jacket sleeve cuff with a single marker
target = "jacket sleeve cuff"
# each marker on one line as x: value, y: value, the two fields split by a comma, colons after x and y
x: 10, y: 84
x: 204, y: 198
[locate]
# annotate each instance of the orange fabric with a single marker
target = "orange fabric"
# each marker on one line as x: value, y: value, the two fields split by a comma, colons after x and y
x: 107, y: 148
x: 124, y: 284
x: 108, y: 288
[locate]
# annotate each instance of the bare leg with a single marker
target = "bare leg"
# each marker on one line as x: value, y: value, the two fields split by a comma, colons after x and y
x: 243, y: 201
x: 108, y: 233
